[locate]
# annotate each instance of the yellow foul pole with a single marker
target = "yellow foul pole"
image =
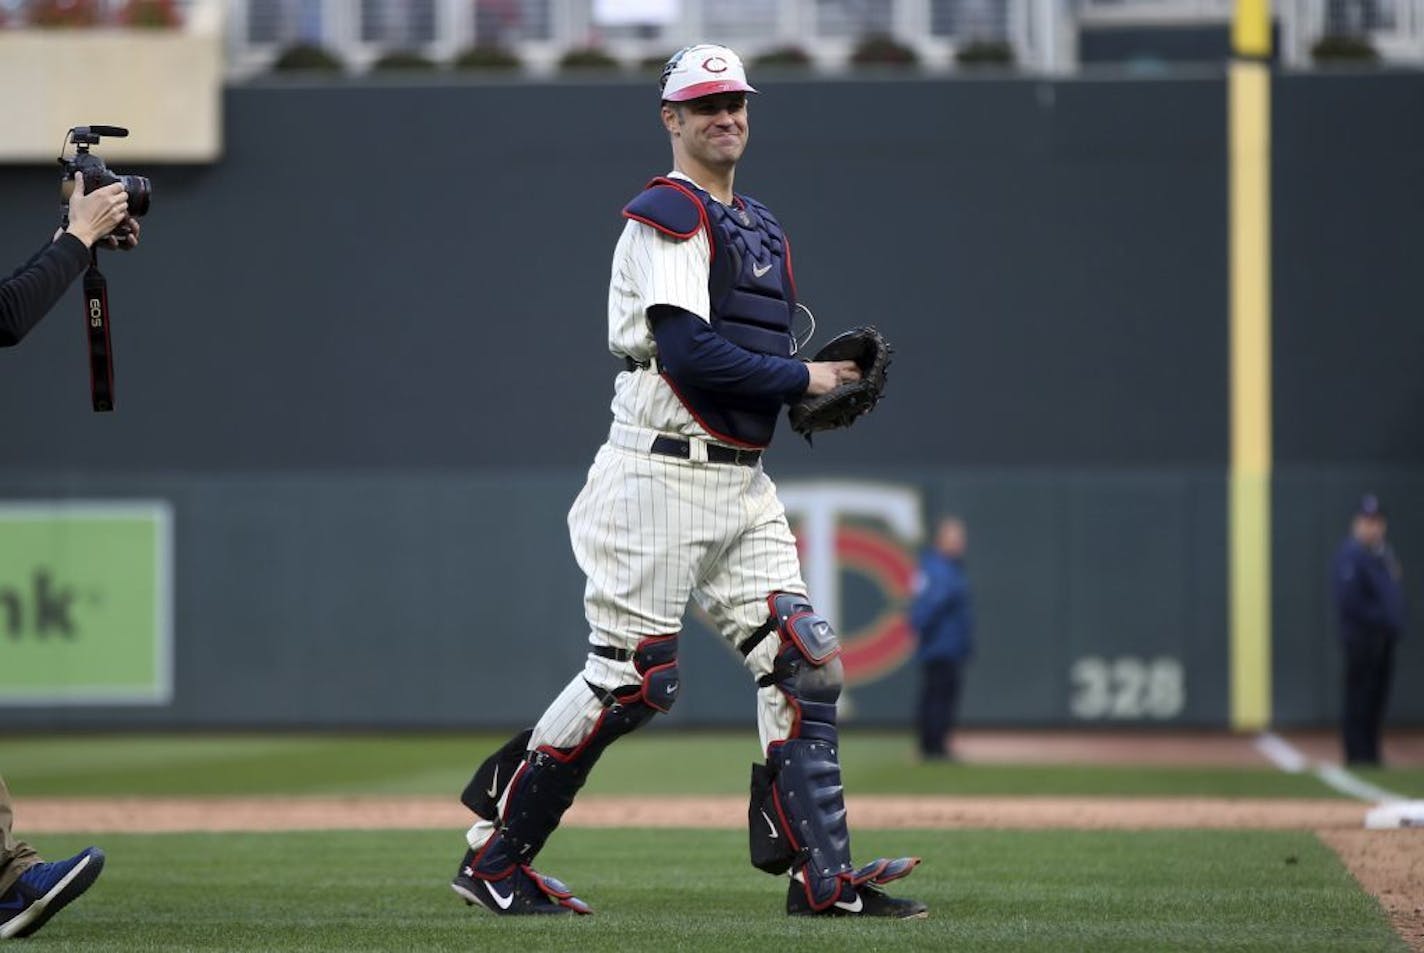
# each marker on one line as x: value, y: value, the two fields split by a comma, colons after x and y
x: 1249, y: 151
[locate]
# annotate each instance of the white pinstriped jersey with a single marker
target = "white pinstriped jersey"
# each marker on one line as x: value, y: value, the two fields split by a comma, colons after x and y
x: 650, y: 268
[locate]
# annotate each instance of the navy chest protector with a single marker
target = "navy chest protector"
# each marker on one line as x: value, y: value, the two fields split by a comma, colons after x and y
x: 750, y: 288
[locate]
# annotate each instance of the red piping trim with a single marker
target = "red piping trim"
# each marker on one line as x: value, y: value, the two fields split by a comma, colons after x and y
x: 785, y: 824
x: 791, y: 275
x: 707, y: 427
x: 790, y: 633
x: 662, y: 228
x: 474, y: 868
x: 701, y: 212
x: 560, y: 756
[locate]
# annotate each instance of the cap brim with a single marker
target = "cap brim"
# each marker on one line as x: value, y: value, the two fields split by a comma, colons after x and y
x: 698, y: 90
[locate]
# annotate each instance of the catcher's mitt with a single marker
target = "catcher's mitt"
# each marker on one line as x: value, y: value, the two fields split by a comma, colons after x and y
x: 842, y: 406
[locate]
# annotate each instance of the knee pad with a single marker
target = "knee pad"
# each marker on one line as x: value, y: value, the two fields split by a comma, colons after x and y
x: 807, y: 668
x: 655, y: 661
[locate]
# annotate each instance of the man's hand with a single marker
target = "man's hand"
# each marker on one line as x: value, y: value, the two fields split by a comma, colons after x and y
x: 95, y: 215
x: 826, y: 376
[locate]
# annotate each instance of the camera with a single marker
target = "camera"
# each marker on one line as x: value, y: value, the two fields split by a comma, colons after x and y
x: 96, y: 174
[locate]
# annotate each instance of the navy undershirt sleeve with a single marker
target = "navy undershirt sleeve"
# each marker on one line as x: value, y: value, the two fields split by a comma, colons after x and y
x: 29, y: 293
x: 693, y: 352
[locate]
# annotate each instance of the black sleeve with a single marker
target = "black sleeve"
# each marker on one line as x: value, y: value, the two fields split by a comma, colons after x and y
x: 28, y: 294
x: 691, y: 350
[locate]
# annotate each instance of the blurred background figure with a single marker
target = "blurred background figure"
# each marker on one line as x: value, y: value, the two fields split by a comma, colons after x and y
x: 942, y: 615
x: 1366, y: 579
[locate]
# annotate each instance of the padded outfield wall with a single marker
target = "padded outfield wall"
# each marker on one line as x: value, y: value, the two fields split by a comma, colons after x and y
x: 361, y: 372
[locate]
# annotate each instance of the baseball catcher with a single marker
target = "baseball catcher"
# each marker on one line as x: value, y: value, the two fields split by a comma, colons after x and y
x: 677, y: 506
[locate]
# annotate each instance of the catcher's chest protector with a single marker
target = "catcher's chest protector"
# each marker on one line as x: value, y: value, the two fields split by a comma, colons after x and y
x: 750, y: 287
x: 750, y: 282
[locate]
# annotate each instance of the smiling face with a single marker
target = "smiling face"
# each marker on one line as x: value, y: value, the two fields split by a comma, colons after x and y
x: 709, y: 132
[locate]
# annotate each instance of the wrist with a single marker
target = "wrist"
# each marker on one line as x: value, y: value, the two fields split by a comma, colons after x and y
x: 85, y: 235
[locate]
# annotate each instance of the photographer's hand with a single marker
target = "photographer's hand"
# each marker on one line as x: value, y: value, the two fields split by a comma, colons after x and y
x: 130, y: 227
x: 95, y: 215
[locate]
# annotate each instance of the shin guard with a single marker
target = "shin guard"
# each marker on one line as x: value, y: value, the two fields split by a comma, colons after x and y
x: 797, y: 816
x: 544, y: 786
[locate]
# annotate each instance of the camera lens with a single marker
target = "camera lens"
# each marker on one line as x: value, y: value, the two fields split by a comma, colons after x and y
x: 139, y: 190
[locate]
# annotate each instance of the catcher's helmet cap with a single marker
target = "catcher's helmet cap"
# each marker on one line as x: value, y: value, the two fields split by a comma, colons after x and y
x: 703, y: 70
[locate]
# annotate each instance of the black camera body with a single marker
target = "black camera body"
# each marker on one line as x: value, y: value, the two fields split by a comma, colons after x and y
x: 96, y: 289
x: 96, y: 174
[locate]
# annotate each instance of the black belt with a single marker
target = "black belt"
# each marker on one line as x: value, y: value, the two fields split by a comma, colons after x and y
x: 716, y: 453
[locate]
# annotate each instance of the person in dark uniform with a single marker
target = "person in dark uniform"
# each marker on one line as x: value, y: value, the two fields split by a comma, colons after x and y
x: 942, y: 616
x: 1369, y: 598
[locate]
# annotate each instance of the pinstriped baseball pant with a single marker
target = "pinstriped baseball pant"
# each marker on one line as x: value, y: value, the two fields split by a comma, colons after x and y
x: 651, y: 533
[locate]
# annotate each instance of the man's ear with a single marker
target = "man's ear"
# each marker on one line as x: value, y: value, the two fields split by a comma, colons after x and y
x: 672, y: 120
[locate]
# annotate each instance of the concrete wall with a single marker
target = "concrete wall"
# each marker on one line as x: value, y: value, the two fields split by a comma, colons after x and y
x: 363, y: 357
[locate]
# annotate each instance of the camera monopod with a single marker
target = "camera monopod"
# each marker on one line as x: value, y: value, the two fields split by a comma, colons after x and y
x: 96, y: 320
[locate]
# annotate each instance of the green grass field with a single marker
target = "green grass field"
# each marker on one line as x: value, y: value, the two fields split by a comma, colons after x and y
x: 652, y: 763
x: 678, y: 890
x: 693, y: 891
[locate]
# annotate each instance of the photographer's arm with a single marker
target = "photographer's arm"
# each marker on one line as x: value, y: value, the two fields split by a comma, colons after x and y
x: 28, y: 294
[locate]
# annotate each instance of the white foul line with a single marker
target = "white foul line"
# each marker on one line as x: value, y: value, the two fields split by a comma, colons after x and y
x: 1281, y: 753
x: 1289, y: 758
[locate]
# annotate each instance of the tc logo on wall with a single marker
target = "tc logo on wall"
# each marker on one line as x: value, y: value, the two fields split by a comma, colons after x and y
x: 868, y: 529
x: 85, y: 603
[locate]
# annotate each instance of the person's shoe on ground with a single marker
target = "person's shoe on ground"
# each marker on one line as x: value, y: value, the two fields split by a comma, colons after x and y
x: 45, y: 889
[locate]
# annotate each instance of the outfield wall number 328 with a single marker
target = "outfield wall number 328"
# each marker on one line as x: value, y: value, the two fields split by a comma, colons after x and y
x: 1127, y: 688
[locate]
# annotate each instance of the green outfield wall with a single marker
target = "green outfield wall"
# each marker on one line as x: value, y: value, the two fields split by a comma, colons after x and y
x: 361, y: 371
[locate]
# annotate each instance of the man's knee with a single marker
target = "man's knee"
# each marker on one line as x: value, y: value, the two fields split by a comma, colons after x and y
x: 807, y: 665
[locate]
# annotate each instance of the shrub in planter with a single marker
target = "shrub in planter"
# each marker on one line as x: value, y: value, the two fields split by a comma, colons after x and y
x: 1341, y: 48
x: 308, y: 57
x: 64, y: 13
x: 880, y: 50
x: 587, y: 58
x: 985, y: 53
x: 151, y: 14
x: 784, y: 57
x: 398, y: 60
x: 486, y: 56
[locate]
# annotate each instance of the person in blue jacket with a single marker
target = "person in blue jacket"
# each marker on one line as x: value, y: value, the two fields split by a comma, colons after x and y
x: 942, y: 615
x: 1369, y: 598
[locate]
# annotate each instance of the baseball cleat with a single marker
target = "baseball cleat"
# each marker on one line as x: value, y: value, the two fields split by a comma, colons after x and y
x: 44, y: 890
x: 860, y: 893
x: 520, y: 891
